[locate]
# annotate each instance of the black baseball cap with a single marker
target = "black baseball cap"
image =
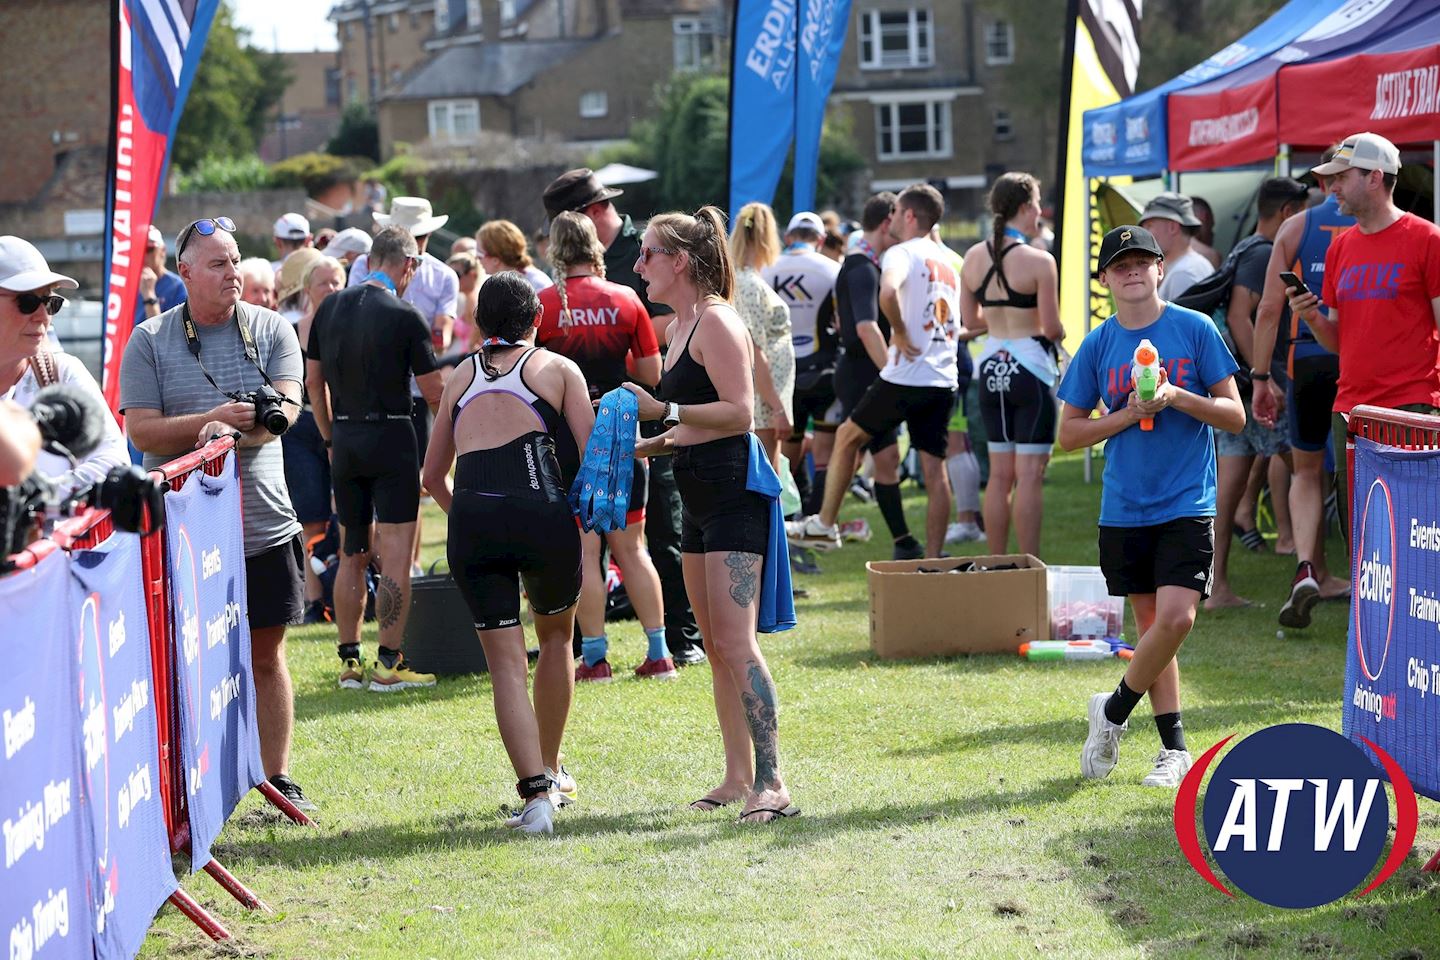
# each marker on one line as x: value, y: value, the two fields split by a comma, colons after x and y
x: 1123, y: 239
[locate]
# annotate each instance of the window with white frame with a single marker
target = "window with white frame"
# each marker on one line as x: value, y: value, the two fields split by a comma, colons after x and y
x: 442, y: 16
x: 999, y: 43
x: 694, y: 43
x: 1002, y: 124
x: 912, y: 128
x: 507, y: 11
x: 454, y: 119
x: 896, y: 39
x: 472, y: 14
x: 594, y: 103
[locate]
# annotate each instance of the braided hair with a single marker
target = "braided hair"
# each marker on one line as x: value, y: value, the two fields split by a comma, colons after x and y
x: 573, y: 242
x: 505, y: 307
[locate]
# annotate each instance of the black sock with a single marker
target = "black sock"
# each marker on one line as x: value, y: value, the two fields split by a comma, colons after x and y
x: 1172, y: 732
x: 349, y: 651
x: 802, y: 487
x: 887, y: 497
x: 816, y: 497
x: 388, y: 657
x: 1121, y: 703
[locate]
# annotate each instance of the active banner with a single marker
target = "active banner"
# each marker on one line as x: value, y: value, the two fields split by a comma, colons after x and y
x: 44, y: 903
x: 219, y: 742
x: 1392, y: 669
x: 131, y: 873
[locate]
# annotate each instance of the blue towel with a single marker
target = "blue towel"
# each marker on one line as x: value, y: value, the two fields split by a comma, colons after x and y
x: 600, y: 495
x: 777, y: 600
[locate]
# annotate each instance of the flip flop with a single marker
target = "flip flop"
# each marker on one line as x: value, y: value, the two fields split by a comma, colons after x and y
x: 713, y: 804
x: 790, y: 811
x: 1252, y: 538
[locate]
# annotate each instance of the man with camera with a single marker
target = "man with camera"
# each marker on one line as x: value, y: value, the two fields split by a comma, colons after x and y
x: 214, y: 366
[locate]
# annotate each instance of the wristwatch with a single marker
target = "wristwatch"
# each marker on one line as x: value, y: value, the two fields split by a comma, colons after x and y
x: 151, y: 301
x: 672, y: 415
x: 1261, y: 376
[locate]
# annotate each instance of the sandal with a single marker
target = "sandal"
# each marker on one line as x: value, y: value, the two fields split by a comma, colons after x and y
x: 1253, y: 540
x: 713, y: 804
x: 790, y: 811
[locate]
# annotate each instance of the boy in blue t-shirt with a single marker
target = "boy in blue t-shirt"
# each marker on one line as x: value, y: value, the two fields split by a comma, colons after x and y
x: 1157, y: 505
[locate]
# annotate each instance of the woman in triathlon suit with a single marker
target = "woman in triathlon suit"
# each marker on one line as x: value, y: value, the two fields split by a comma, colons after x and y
x: 599, y: 324
x: 1009, y: 289
x: 517, y: 416
x: 707, y: 401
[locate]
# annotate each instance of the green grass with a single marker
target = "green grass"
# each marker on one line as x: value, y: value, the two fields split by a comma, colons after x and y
x: 944, y: 812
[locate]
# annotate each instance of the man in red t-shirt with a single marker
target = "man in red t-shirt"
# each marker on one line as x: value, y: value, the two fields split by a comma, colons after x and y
x: 1381, y: 304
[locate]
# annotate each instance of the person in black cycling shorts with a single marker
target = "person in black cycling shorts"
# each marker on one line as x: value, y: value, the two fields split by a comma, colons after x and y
x: 364, y: 345
x: 517, y: 416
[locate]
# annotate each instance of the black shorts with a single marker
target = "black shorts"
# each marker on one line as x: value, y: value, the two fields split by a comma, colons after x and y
x: 1308, y: 400
x: 814, y: 400
x: 275, y: 585
x: 639, y: 491
x: 925, y: 410
x: 495, y: 540
x: 718, y: 514
x: 420, y: 419
x: 853, y: 376
x: 377, y: 476
x: 1019, y: 409
x: 1177, y: 553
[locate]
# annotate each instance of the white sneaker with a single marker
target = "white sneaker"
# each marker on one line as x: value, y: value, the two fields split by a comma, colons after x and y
x: 563, y: 788
x: 963, y: 533
x: 1102, y: 746
x: 810, y: 532
x: 862, y: 489
x: 537, y: 817
x: 1170, y: 768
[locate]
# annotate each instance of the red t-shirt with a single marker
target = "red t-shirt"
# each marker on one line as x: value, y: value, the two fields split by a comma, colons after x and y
x: 607, y: 321
x: 1381, y: 284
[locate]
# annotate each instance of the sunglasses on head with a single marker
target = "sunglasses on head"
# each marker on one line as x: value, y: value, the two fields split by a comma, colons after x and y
x: 30, y: 302
x: 205, y: 228
x: 647, y: 252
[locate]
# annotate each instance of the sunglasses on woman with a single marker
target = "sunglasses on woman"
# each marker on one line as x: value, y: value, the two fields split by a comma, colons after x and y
x: 647, y: 252
x: 30, y: 302
x: 205, y: 228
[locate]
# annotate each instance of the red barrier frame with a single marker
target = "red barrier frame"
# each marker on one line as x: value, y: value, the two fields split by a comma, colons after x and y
x: 1394, y: 428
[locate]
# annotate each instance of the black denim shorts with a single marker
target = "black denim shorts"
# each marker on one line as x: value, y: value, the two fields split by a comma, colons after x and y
x: 719, y: 514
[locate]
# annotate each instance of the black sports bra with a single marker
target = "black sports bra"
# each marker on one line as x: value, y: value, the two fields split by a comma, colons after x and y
x: 687, y: 380
x: 1023, y: 301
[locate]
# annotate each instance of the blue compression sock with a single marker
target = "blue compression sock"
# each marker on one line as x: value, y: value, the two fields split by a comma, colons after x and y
x: 593, y: 649
x: 658, y: 650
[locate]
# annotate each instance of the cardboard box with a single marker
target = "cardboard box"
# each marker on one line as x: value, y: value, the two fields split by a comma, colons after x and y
x: 979, y: 610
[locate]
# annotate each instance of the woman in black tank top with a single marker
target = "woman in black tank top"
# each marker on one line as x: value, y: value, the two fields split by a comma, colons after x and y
x: 707, y: 401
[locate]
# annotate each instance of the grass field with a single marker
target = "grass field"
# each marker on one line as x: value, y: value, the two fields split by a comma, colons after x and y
x: 944, y: 811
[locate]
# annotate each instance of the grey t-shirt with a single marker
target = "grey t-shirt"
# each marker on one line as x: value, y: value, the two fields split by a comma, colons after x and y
x: 158, y: 373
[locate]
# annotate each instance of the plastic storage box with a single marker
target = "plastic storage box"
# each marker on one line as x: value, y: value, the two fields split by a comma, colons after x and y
x: 1081, y: 607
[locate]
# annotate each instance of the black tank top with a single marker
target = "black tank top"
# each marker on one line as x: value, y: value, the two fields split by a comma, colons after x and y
x: 1023, y: 301
x: 687, y: 380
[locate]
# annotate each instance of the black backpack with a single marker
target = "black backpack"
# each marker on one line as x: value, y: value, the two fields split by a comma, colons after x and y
x: 1211, y: 296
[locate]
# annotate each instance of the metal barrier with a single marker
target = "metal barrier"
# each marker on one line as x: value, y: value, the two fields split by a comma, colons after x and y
x: 1393, y: 428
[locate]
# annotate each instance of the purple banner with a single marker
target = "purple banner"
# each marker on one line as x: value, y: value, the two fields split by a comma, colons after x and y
x: 131, y: 874
x: 219, y: 743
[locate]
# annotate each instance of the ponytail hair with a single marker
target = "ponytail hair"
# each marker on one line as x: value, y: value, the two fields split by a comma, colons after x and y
x: 1007, y: 195
x: 755, y: 238
x: 702, y: 238
x: 505, y: 307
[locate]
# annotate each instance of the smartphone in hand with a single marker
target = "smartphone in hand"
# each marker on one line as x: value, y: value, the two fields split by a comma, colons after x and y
x: 1293, y: 282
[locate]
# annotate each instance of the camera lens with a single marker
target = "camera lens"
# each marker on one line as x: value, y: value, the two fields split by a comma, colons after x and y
x: 274, y: 418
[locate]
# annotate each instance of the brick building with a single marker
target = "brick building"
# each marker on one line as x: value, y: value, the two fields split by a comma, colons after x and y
x: 309, y: 111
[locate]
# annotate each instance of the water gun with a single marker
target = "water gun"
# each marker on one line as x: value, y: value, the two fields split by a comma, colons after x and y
x: 1145, y: 374
x: 1077, y: 649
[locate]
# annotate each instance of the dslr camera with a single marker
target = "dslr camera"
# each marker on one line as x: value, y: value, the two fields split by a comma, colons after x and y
x: 269, y: 412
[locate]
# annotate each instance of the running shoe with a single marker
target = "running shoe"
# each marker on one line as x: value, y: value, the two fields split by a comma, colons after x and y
x: 563, y: 789
x: 855, y: 530
x: 385, y: 679
x: 963, y: 533
x: 600, y: 673
x: 1170, y: 768
x: 911, y: 551
x: 1102, y: 745
x: 1304, y: 594
x: 352, y: 675
x: 291, y: 791
x: 538, y: 816
x: 862, y: 489
x: 315, y: 612
x: 810, y: 532
x: 662, y: 669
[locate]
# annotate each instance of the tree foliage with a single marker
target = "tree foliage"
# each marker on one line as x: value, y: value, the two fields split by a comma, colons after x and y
x: 359, y: 134
x: 1175, y: 35
x: 236, y: 90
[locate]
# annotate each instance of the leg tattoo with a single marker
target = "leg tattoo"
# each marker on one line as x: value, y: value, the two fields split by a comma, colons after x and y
x: 387, y: 605
x: 744, y: 576
x: 760, y: 713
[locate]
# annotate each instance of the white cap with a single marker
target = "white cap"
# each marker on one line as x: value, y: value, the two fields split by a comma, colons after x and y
x: 292, y: 226
x: 1366, y: 151
x: 349, y: 240
x: 23, y: 269
x: 806, y: 221
x: 155, y: 238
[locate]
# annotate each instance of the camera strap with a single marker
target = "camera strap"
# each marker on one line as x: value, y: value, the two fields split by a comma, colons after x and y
x: 247, y: 340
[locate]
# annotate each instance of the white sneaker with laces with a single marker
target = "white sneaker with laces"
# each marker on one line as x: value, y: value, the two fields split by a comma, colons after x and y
x: 1170, y: 768
x: 1102, y: 745
x: 538, y: 816
x: 963, y: 533
x: 810, y: 532
x: 563, y: 788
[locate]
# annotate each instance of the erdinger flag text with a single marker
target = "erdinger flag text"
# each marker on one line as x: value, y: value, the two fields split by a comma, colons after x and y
x: 762, y: 97
x: 155, y: 48
x: 822, y: 38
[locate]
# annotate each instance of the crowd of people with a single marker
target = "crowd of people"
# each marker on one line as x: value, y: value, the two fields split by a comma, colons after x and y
x: 478, y: 381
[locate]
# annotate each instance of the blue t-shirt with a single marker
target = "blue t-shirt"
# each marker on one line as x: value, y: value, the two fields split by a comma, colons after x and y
x: 169, y: 290
x: 1152, y: 477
